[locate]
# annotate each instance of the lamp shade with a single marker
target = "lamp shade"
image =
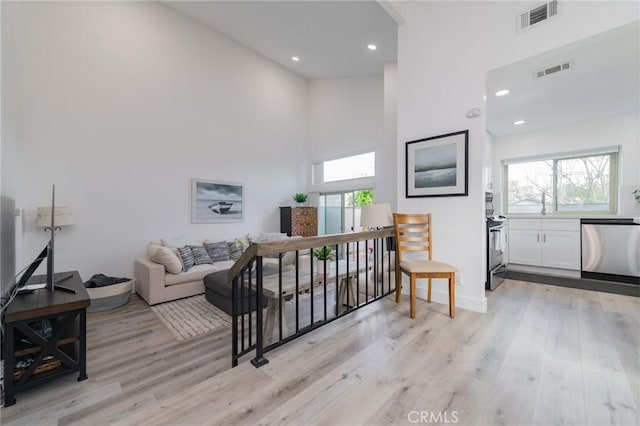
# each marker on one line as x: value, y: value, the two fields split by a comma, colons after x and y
x: 63, y: 216
x: 374, y: 216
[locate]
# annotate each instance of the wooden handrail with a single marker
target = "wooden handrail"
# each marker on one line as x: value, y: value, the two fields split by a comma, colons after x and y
x: 307, y: 243
x: 242, y: 263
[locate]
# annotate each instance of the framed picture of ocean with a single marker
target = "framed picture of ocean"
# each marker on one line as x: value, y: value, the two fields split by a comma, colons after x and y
x: 214, y: 201
x: 438, y: 166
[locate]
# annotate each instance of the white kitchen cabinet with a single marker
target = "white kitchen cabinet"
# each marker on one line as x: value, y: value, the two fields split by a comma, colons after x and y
x: 551, y: 243
x: 524, y: 247
x: 561, y: 249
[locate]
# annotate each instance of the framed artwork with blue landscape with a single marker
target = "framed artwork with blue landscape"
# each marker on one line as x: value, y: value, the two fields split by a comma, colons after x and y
x: 438, y: 166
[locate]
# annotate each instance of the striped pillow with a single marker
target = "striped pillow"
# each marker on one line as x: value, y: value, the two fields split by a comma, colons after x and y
x: 200, y: 255
x: 186, y: 257
x: 218, y: 252
x: 235, y: 250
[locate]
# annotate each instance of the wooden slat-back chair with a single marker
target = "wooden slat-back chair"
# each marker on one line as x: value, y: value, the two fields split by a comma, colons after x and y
x: 413, y: 234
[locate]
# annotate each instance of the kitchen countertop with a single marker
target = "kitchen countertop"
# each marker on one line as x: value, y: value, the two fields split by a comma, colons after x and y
x: 574, y: 216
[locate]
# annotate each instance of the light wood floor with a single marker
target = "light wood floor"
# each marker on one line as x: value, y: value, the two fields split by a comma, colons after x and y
x: 541, y: 355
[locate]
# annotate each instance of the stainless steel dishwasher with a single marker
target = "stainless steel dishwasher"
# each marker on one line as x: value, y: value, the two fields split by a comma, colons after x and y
x: 611, y: 250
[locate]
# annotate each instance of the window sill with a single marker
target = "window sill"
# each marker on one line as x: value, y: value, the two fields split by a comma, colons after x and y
x: 572, y: 215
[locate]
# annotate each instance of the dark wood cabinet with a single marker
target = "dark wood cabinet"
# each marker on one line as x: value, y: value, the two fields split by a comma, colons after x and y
x: 299, y: 221
x: 48, y: 329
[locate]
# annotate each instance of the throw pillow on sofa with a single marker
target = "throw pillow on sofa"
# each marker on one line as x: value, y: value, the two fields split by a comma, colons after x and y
x: 176, y: 242
x: 200, y: 255
x: 235, y: 250
x: 186, y: 256
x: 218, y: 252
x: 152, y: 247
x: 165, y: 257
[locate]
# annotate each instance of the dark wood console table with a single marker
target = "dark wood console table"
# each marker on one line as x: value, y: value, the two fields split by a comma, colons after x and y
x: 62, y: 352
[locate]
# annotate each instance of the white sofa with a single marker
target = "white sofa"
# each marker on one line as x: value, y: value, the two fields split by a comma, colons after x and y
x: 156, y: 285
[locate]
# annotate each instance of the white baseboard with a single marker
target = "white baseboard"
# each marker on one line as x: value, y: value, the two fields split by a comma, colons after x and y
x: 464, y: 302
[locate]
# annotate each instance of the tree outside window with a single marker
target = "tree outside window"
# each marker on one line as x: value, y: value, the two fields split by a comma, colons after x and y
x: 360, y: 198
x: 585, y: 183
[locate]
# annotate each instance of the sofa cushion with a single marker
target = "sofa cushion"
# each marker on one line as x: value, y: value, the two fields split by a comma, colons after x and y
x: 218, y: 251
x: 165, y: 257
x: 176, y: 242
x: 186, y: 256
x: 196, y: 273
x: 200, y: 255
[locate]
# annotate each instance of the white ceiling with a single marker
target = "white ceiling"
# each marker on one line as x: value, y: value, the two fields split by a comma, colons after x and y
x: 329, y: 37
x: 604, y: 80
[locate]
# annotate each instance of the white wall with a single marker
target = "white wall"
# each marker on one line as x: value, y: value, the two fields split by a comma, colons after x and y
x: 346, y: 117
x: 124, y: 103
x: 620, y: 130
x: 10, y: 156
x: 444, y: 51
x: 386, y: 151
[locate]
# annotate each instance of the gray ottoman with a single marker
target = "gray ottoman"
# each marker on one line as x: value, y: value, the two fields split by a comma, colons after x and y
x: 217, y: 291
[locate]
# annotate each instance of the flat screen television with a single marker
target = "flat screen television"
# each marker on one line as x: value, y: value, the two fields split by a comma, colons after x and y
x: 22, y: 283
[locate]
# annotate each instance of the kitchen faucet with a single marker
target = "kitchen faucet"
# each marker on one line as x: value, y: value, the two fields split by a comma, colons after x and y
x: 544, y: 210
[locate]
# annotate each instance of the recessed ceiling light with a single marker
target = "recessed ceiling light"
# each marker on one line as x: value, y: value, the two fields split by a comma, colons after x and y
x: 518, y: 122
x: 372, y: 47
x: 295, y: 58
x: 502, y: 92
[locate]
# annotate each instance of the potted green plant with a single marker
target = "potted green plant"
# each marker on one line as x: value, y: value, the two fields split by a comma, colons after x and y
x: 323, y: 256
x: 300, y: 197
x: 636, y: 195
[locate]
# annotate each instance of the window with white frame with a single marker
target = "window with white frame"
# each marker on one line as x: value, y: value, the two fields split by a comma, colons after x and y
x: 346, y: 168
x: 563, y: 183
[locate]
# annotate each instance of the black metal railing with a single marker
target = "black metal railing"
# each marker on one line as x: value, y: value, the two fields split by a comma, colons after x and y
x: 285, y: 280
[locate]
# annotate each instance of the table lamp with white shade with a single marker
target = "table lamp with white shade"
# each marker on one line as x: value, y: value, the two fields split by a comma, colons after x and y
x: 52, y: 219
x: 63, y: 216
x: 376, y: 216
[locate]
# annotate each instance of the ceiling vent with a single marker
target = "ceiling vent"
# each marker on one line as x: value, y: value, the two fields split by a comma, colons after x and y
x: 554, y: 69
x: 537, y: 15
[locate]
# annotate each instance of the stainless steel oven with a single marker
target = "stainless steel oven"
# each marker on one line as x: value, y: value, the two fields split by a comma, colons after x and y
x: 496, y: 242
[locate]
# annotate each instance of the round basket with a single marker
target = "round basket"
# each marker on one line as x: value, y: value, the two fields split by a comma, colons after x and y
x: 109, y: 297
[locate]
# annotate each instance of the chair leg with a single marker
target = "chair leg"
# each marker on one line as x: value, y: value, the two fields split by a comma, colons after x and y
x: 413, y: 296
x: 429, y: 292
x: 398, y: 285
x: 452, y: 295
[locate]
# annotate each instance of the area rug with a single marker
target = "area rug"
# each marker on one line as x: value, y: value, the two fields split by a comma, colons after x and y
x: 191, y: 317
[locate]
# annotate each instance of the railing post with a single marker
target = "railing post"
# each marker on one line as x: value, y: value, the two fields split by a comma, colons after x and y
x: 259, y: 360
x: 375, y: 268
x: 234, y: 322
